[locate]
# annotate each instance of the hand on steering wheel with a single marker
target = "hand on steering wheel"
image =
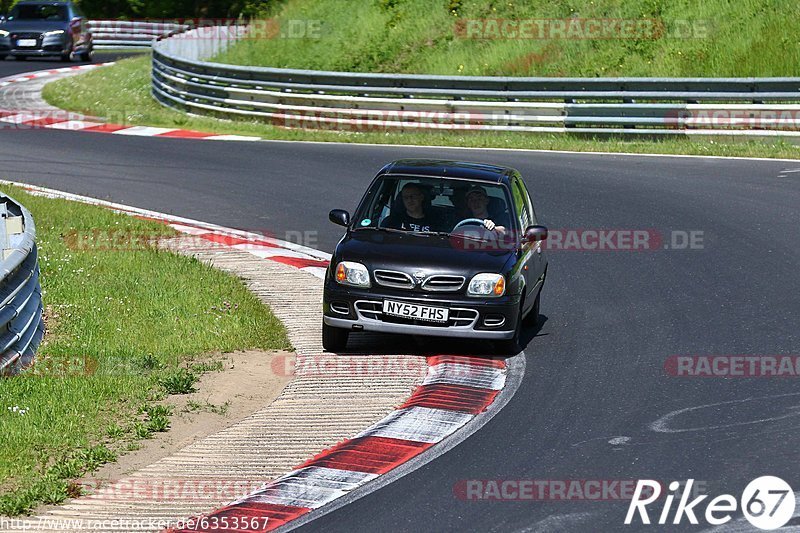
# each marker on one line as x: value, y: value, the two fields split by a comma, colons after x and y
x: 470, y: 221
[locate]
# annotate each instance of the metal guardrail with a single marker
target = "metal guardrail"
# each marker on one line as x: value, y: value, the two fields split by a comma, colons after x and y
x: 185, y: 80
x: 115, y: 34
x: 21, y: 323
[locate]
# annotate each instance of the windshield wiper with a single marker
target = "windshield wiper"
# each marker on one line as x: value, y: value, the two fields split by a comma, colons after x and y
x: 390, y: 230
x: 450, y: 235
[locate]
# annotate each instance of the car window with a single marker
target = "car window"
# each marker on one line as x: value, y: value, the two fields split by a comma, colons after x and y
x: 529, y: 200
x: 443, y: 203
x: 39, y: 12
x: 521, y: 205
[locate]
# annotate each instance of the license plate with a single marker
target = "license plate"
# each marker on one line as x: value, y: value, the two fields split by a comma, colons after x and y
x: 26, y: 42
x: 415, y: 311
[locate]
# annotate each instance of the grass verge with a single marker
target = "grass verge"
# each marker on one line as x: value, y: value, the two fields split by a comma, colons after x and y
x: 125, y: 327
x: 683, y: 38
x: 121, y: 94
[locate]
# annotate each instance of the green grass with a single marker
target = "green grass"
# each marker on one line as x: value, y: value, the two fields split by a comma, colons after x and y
x: 121, y: 94
x: 118, y: 324
x: 728, y: 38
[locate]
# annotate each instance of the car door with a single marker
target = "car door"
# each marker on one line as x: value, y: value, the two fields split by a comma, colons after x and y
x: 538, y: 261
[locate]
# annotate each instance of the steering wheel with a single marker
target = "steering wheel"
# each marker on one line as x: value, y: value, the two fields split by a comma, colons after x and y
x: 469, y: 221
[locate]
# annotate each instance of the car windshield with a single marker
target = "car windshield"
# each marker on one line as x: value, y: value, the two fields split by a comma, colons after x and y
x: 432, y: 205
x: 39, y: 12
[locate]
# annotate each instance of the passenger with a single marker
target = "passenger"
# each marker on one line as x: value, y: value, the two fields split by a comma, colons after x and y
x: 413, y: 217
x: 478, y: 204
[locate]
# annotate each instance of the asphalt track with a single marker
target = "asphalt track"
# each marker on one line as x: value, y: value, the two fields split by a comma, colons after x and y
x: 11, y: 66
x: 595, y: 387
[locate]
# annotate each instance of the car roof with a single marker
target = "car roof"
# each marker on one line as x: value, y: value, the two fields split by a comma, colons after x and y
x: 440, y: 168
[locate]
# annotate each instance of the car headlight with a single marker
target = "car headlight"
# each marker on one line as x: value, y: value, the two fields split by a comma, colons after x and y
x: 3, y: 33
x: 350, y: 273
x: 54, y: 32
x: 487, y: 285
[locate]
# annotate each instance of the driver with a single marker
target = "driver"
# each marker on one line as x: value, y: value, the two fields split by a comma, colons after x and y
x: 413, y: 217
x: 478, y: 204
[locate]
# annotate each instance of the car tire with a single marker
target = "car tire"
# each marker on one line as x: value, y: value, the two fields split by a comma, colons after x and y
x: 87, y: 56
x: 532, y: 320
x: 334, y: 339
x: 3, y: 57
x: 20, y: 58
x: 513, y: 345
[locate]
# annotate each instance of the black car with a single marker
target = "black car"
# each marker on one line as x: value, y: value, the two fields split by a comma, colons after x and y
x: 38, y: 29
x: 442, y: 248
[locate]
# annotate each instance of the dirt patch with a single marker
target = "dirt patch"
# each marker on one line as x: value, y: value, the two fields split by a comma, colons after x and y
x: 247, y: 383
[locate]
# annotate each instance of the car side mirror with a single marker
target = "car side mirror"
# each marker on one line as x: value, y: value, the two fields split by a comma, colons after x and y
x: 339, y: 217
x: 535, y: 233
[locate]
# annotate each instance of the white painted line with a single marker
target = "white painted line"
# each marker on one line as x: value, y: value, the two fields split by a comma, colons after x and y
x: 332, y: 478
x: 469, y: 375
x: 53, y: 193
x: 315, y: 271
x: 535, y: 151
x: 286, y: 492
x: 73, y: 125
x: 419, y: 424
x: 191, y: 230
x: 231, y: 138
x: 143, y: 131
x: 265, y: 252
x: 19, y: 118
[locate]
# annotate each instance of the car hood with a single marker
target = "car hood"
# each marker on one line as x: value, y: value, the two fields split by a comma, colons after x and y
x: 33, y: 25
x: 430, y: 254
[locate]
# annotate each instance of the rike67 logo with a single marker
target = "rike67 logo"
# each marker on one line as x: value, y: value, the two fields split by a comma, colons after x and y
x: 767, y: 502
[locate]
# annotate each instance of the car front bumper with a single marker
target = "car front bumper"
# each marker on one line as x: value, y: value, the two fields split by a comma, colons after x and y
x: 361, y: 310
x: 46, y: 46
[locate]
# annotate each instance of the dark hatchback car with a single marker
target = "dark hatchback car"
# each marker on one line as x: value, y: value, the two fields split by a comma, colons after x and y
x: 39, y: 29
x: 440, y: 248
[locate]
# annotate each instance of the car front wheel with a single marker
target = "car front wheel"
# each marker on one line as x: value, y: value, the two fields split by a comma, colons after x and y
x: 513, y: 345
x: 532, y: 320
x: 334, y: 339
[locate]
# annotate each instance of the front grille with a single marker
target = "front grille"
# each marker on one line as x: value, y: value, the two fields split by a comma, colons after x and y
x: 440, y: 283
x: 394, y: 279
x: 17, y: 37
